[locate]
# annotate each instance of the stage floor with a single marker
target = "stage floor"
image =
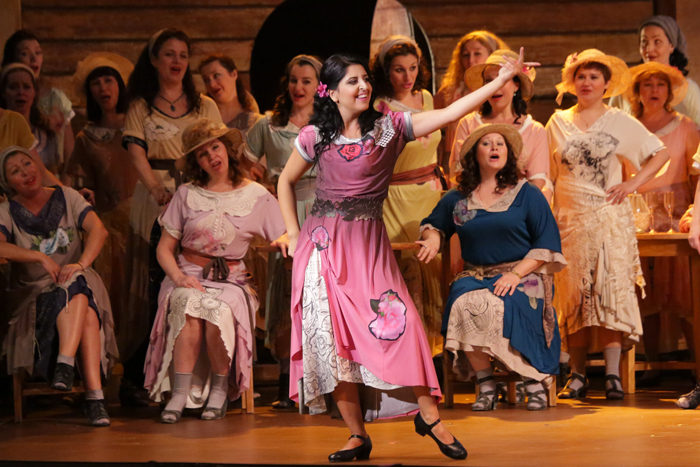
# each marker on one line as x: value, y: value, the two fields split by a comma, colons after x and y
x: 646, y: 429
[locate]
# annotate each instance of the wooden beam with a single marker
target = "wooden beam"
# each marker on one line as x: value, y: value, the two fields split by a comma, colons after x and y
x: 665, y: 7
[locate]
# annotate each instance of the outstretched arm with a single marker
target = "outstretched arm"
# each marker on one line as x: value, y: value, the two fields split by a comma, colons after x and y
x: 427, y: 122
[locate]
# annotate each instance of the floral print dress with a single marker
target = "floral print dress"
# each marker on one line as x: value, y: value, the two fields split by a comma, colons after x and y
x: 34, y: 300
x: 352, y: 316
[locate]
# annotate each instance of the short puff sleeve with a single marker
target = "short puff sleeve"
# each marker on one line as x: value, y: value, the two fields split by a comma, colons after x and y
x: 210, y: 110
x: 133, y: 125
x: 442, y: 218
x: 6, y: 221
x: 77, y: 205
x: 254, y: 148
x: 173, y: 219
x: 304, y: 143
x: 271, y: 225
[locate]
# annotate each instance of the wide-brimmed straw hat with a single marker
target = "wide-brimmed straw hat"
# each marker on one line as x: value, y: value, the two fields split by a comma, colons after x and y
x: 679, y: 85
x: 620, y: 75
x: 509, y: 132
x: 203, y: 131
x: 96, y: 60
x: 474, y: 76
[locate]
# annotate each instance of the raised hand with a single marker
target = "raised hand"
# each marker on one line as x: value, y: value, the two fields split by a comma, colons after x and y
x: 511, y: 67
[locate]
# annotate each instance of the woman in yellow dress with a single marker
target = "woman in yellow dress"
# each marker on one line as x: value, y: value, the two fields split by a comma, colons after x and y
x: 400, y: 77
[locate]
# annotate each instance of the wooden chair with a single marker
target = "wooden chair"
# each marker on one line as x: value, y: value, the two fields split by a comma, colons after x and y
x: 22, y: 389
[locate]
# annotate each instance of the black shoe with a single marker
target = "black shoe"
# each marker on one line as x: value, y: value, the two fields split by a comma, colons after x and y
x: 613, y: 393
x: 690, y: 400
x: 63, y: 377
x: 453, y: 451
x: 568, y: 393
x: 283, y: 401
x: 131, y: 396
x: 361, y: 453
x: 96, y: 412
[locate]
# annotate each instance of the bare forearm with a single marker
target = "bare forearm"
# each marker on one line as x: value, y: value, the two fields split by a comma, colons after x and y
x: 94, y: 242
x: 527, y: 265
x: 143, y: 168
x: 18, y: 254
x: 651, y: 168
x: 167, y: 261
x: 427, y: 122
x: 288, y: 204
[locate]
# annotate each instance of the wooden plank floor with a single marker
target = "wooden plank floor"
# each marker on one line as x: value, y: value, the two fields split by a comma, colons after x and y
x: 646, y: 429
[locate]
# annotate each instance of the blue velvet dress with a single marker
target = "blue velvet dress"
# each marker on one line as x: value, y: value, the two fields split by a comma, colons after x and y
x: 520, y: 329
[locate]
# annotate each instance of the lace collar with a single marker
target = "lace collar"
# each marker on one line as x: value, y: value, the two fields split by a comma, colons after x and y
x: 238, y: 203
x: 670, y: 127
x: 502, y: 204
x: 100, y: 133
x: 567, y: 119
x: 48, y: 219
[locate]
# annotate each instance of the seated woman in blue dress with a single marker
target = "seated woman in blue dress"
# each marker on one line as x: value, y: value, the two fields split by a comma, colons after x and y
x: 500, y: 306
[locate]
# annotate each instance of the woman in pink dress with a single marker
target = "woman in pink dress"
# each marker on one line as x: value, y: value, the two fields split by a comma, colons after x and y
x: 207, y: 299
x: 352, y: 318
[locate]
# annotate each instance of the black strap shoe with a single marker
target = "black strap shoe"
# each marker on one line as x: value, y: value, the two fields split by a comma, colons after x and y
x: 96, y: 412
x: 613, y: 393
x: 453, y: 451
x: 63, y: 377
x: 568, y: 393
x: 361, y: 453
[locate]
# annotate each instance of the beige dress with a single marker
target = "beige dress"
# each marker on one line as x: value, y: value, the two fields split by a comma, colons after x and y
x: 598, y: 238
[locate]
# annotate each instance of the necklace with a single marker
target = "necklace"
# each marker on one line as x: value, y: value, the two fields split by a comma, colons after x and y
x: 172, y: 104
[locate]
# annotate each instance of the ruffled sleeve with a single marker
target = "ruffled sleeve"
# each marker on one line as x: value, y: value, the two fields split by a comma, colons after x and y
x: 636, y: 142
x: 210, y: 110
x: 304, y: 143
x: 173, y: 218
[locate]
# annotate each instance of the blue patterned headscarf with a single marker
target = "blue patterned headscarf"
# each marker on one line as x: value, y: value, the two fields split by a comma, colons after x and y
x: 7, y: 152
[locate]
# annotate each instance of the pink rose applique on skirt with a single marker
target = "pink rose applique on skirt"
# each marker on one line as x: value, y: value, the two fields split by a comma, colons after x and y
x: 320, y: 238
x: 390, y: 323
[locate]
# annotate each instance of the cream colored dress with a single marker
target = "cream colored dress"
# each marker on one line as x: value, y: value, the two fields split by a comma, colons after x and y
x: 598, y: 238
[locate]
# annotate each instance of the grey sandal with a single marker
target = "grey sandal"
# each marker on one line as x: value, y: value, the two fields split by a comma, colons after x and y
x: 536, y: 400
x: 487, y: 400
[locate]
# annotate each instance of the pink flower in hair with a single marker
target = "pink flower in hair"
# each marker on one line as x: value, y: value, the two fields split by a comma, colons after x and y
x: 322, y: 90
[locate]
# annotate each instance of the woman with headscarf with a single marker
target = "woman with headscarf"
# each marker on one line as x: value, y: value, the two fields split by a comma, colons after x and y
x: 661, y: 40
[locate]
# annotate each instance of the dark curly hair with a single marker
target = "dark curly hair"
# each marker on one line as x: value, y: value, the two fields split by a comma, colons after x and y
x: 195, y: 173
x: 143, y: 82
x: 680, y: 61
x: 283, y: 104
x: 326, y: 116
x: 381, y: 71
x: 36, y: 118
x: 227, y: 62
x: 94, y: 111
x: 470, y: 178
x: 10, y: 50
x: 519, y: 104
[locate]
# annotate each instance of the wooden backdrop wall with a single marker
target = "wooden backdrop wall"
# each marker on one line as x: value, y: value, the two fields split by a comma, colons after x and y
x: 548, y: 29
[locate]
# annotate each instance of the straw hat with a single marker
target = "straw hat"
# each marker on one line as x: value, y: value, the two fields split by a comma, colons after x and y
x: 474, y: 76
x: 203, y: 131
x: 96, y: 60
x: 679, y: 85
x: 620, y: 74
x: 509, y: 132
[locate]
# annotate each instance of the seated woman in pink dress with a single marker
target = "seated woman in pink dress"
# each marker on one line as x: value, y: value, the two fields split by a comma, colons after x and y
x: 356, y: 333
x: 207, y: 298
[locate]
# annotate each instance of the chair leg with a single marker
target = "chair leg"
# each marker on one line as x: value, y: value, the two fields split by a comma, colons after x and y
x: 17, y: 383
x: 512, y: 393
x: 627, y: 371
x: 448, y: 380
x: 552, y: 392
x: 250, y: 396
